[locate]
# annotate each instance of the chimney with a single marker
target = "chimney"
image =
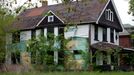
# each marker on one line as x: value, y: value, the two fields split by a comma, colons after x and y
x: 44, y: 3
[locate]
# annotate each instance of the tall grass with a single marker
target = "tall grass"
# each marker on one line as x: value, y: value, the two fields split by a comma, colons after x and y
x: 71, y: 73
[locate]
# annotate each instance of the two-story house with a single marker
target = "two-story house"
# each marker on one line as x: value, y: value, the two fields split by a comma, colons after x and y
x: 95, y: 26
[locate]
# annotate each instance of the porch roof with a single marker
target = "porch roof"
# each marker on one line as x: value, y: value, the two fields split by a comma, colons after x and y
x: 127, y: 50
x: 104, y: 46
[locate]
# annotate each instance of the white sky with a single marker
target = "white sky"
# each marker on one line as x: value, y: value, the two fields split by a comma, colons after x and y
x: 122, y: 7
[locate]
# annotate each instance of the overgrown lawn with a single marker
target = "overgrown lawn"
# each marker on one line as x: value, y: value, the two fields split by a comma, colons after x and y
x: 71, y: 73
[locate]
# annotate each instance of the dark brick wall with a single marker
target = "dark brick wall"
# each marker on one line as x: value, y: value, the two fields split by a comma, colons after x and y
x: 125, y: 41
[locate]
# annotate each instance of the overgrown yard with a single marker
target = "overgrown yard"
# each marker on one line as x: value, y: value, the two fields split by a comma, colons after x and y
x: 72, y: 73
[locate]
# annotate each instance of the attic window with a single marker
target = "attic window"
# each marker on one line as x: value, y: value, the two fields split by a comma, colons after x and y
x: 50, y: 18
x: 109, y: 15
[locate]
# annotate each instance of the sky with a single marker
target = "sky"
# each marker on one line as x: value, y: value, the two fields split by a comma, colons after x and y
x: 121, y: 5
x: 123, y: 8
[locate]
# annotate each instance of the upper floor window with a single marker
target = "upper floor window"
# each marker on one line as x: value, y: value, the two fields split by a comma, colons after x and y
x: 96, y: 32
x: 112, y: 35
x: 109, y: 15
x: 50, y: 18
x: 105, y: 34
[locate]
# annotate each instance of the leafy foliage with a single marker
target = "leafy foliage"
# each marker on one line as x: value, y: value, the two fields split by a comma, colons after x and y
x: 5, y: 22
x: 131, y: 7
x: 42, y: 50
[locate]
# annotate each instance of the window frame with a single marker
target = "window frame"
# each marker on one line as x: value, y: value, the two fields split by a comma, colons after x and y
x: 51, y: 18
x: 109, y: 15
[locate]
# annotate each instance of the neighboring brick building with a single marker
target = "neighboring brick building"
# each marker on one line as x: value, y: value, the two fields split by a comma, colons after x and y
x: 126, y: 39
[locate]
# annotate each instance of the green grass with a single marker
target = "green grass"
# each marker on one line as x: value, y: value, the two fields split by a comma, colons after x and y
x: 71, y: 73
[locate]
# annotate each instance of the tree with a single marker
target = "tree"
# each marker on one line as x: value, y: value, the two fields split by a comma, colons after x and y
x: 131, y: 7
x: 5, y: 22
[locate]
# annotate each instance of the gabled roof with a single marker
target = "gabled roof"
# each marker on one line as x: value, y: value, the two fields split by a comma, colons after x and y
x: 85, y: 12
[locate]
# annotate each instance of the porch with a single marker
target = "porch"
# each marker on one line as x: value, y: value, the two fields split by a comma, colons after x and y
x: 105, y: 55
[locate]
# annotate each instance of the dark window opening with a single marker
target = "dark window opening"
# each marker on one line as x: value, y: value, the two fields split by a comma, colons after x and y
x: 105, y: 34
x: 50, y: 32
x: 33, y: 34
x: 77, y: 52
x: 61, y: 30
x: 50, y: 57
x: 116, y: 36
x: 96, y: 33
x: 16, y: 37
x: 112, y: 35
x: 42, y: 32
x: 61, y: 35
x: 61, y: 56
x: 15, y: 58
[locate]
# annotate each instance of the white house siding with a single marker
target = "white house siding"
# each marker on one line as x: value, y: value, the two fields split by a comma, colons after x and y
x: 100, y: 31
x: 56, y: 31
x: 100, y: 35
x: 80, y: 31
x: 9, y: 38
x: 56, y: 52
x: 45, y: 31
x: 25, y: 35
x: 108, y: 35
x: 38, y: 32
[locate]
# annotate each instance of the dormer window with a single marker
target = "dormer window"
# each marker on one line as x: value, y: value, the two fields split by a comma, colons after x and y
x: 109, y: 15
x: 50, y: 18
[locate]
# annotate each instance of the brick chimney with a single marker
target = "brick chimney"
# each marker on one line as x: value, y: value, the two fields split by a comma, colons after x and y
x: 44, y: 3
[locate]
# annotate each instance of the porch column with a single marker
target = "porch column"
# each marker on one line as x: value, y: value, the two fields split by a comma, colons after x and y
x: 99, y: 59
x: 45, y: 32
x: 118, y: 60
x: 8, y: 53
x: 109, y: 59
x: 56, y: 52
x: 38, y: 32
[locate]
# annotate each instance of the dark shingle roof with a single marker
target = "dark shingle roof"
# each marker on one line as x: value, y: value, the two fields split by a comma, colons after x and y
x: 85, y: 12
